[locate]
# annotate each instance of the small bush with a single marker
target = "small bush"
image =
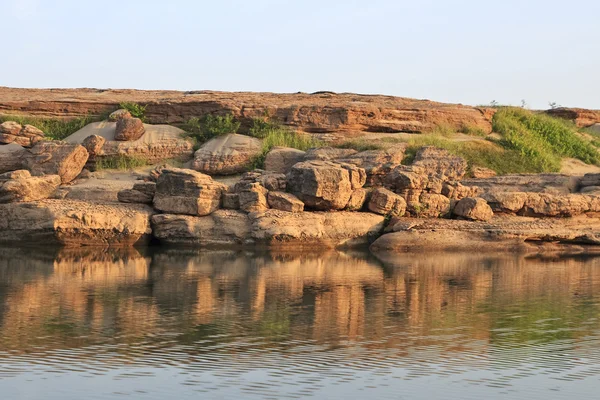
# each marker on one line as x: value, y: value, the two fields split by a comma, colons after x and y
x: 120, y: 162
x: 209, y: 126
x: 472, y: 130
x: 54, y: 128
x: 136, y: 110
x: 261, y: 128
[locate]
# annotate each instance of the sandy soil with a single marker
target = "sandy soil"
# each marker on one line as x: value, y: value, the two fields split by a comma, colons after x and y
x: 573, y: 166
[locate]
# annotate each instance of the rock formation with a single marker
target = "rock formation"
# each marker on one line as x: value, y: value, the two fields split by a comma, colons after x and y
x: 227, y: 154
x: 129, y: 129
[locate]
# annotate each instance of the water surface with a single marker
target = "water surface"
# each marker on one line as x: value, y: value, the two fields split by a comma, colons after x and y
x: 186, y: 324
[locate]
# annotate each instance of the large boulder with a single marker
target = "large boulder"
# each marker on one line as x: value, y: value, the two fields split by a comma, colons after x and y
x: 284, y: 202
x: 385, y: 202
x: 325, y: 185
x: 119, y: 114
x: 282, y: 159
x: 20, y: 186
x: 377, y: 163
x: 56, y: 158
x: 542, y: 183
x: 227, y: 154
x: 129, y: 129
x: 13, y: 132
x: 316, y: 229
x: 142, y: 192
x: 74, y: 223
x: 474, y: 209
x: 328, y: 153
x: 183, y: 191
x: 223, y: 227
x: 440, y: 163
x: 93, y: 144
x: 252, y: 197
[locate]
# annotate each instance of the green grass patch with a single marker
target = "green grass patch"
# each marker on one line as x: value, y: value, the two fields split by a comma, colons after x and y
x: 542, y: 139
x: 210, y: 126
x: 360, y: 145
x: 284, y: 137
x: 136, y: 110
x: 54, y: 128
x: 472, y: 130
x: 120, y: 162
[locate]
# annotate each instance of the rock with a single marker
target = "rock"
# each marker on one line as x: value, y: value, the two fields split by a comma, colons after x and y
x: 12, y: 157
x: 590, y: 189
x: 282, y: 159
x: 475, y: 209
x: 357, y: 200
x: 440, y: 163
x: 457, y: 191
x: 481, y: 172
x: 580, y: 116
x: 543, y: 183
x: 325, y: 185
x: 315, y: 229
x: 253, y: 197
x: 93, y: 144
x: 119, y: 114
x: 129, y: 129
x: 271, y: 181
x: 26, y: 136
x: 10, y: 128
x: 430, y: 205
x: 505, y: 202
x: 223, y: 227
x: 56, y: 158
x: 227, y: 154
x: 322, y: 114
x: 18, y: 174
x: 231, y: 201
x: 328, y: 153
x: 284, y: 202
x: 385, y: 202
x: 142, y: 192
x: 74, y: 223
x: 592, y: 179
x: 22, y: 188
x: 183, y: 191
x: 378, y: 163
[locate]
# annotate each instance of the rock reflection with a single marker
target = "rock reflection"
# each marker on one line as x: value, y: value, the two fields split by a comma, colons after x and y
x: 445, y: 303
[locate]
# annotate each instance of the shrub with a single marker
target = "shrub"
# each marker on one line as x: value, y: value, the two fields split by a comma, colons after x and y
x: 472, y: 130
x: 284, y: 137
x: 54, y: 128
x: 209, y: 126
x: 136, y: 110
x: 120, y: 162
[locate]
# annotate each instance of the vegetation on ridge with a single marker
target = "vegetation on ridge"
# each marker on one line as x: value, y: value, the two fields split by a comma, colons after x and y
x: 53, y: 128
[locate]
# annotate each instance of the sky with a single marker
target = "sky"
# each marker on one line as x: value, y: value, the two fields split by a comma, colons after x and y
x: 460, y: 51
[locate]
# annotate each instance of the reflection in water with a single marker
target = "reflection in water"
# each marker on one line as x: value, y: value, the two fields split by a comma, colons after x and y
x: 332, y: 325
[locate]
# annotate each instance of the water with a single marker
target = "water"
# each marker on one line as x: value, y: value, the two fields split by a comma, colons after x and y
x: 188, y: 324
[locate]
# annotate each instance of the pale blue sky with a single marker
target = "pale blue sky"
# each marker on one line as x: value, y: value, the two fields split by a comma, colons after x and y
x: 463, y: 51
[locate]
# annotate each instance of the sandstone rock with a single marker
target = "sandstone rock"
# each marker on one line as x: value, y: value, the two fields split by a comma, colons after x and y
x: 326, y: 114
x: 10, y: 128
x: 592, y: 179
x: 285, y: 202
x: 56, y: 158
x: 543, y: 183
x: 475, y: 209
x: 481, y: 172
x: 328, y: 153
x: 457, y: 191
x: 440, y: 163
x: 582, y: 117
x: 506, y: 202
x: 129, y: 129
x: 183, y: 191
x: 22, y: 188
x: 74, y: 223
x: 26, y: 136
x: 223, y: 227
x: 377, y: 163
x: 385, y: 202
x: 325, y: 185
x: 315, y: 229
x: 18, y: 174
x: 271, y: 181
x: 253, y: 198
x: 567, y: 205
x: 93, y: 144
x: 282, y: 159
x: 430, y: 205
x: 119, y: 114
x: 590, y: 189
x: 142, y: 192
x: 357, y: 200
x: 227, y: 154
x: 12, y: 157
x: 231, y: 201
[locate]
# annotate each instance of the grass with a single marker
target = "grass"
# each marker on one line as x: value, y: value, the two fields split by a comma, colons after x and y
x: 210, y: 126
x: 54, y: 128
x: 275, y: 135
x: 360, y: 145
x: 472, y: 130
x: 542, y: 139
x: 120, y: 162
x: 136, y: 110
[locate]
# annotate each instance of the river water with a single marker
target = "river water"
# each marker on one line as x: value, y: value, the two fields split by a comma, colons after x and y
x: 189, y: 324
